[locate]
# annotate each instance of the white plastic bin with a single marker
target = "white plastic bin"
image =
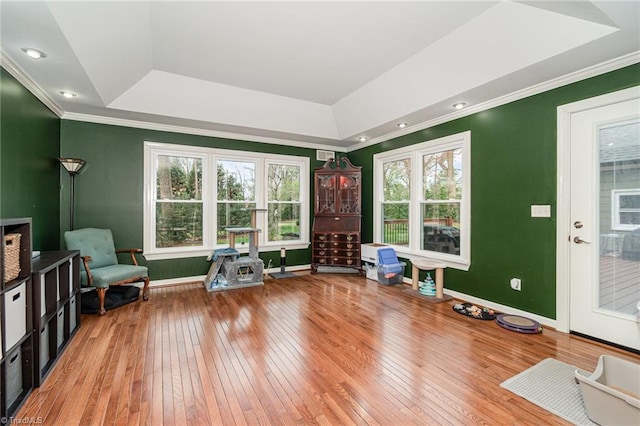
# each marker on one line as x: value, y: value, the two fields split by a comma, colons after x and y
x: 15, y: 311
x: 44, y: 346
x: 43, y: 300
x: 611, y: 393
x: 72, y: 314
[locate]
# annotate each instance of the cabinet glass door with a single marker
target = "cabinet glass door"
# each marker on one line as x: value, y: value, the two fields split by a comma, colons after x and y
x: 350, y: 193
x: 325, y: 194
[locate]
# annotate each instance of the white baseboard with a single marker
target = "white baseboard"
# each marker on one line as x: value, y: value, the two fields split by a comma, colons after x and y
x: 455, y: 294
x: 201, y: 278
x: 501, y: 308
x: 177, y: 281
x: 289, y: 268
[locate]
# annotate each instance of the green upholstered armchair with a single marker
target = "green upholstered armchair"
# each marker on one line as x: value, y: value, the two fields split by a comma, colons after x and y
x: 101, y: 267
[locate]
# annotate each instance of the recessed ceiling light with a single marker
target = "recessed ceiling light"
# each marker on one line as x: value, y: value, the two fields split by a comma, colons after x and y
x: 33, y: 53
x: 459, y: 105
x: 68, y: 95
x: 402, y: 125
x: 362, y: 138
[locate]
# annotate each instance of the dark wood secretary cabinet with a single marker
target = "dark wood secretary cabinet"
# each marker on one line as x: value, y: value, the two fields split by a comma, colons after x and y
x: 337, y: 209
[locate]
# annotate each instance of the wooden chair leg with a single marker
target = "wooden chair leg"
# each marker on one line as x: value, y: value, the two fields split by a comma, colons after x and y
x: 101, y: 293
x: 145, y: 297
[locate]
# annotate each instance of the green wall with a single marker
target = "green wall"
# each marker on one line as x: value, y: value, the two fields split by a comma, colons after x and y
x: 513, y: 155
x: 109, y: 190
x: 29, y: 169
x: 513, y: 152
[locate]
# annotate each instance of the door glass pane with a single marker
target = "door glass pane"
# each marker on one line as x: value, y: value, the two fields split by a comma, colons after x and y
x: 619, y: 195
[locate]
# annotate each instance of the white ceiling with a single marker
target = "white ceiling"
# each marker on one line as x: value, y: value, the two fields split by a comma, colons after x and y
x: 308, y: 73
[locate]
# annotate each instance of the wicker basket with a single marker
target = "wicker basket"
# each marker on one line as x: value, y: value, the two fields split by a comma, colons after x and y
x: 11, y: 256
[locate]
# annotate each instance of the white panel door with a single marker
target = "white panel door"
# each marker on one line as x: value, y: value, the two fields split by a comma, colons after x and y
x: 604, y: 237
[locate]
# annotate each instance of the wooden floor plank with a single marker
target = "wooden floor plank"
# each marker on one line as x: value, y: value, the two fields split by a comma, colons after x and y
x: 314, y: 349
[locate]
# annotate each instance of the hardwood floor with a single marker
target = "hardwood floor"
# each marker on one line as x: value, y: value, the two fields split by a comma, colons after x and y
x: 315, y: 349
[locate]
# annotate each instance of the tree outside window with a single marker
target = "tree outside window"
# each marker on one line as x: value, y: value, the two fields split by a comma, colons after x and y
x: 422, y: 196
x: 178, y: 201
x: 396, y: 197
x: 442, y: 195
x: 236, y: 195
x: 283, y: 202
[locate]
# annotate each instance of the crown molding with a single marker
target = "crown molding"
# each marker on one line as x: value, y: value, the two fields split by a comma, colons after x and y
x: 576, y: 76
x: 17, y: 73
x: 592, y: 71
x: 195, y: 131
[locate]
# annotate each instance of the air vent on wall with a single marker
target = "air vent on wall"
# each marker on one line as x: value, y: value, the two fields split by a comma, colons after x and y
x: 324, y: 155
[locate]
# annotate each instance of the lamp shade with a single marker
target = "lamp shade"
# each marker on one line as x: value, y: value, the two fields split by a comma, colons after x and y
x: 72, y: 165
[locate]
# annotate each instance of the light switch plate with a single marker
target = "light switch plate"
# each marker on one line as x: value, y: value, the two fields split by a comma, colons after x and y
x: 540, y: 210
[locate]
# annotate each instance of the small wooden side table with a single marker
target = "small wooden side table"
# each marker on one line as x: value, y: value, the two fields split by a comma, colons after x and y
x: 428, y: 265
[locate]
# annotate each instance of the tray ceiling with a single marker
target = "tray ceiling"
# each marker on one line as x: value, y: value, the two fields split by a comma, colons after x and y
x: 321, y: 73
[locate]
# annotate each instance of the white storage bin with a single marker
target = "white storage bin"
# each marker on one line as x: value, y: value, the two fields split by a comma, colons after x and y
x: 72, y: 314
x: 15, y: 311
x: 43, y: 303
x: 70, y: 276
x: 44, y: 346
x: 611, y: 393
x: 60, y: 320
x: 371, y: 271
x: 369, y: 252
x: 13, y: 366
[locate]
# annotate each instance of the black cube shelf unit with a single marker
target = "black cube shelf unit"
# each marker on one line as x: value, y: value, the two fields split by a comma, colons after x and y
x: 16, y: 302
x: 39, y: 311
x: 56, y: 307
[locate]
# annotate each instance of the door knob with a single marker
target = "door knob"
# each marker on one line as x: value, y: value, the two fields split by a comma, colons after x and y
x: 579, y: 240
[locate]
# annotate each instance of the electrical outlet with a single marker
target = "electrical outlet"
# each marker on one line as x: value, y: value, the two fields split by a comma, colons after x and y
x: 516, y: 284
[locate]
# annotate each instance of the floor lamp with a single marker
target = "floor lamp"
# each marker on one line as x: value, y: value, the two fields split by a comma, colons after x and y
x: 73, y: 166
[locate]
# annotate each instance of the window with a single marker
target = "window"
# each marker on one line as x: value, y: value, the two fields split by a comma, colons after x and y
x: 284, y: 202
x: 236, y: 182
x: 422, y: 199
x: 625, y: 209
x: 178, y: 201
x: 193, y: 194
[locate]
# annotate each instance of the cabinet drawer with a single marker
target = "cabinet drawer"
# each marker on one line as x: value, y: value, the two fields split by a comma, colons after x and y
x: 333, y: 260
x: 344, y: 252
x: 15, y: 311
x: 347, y: 238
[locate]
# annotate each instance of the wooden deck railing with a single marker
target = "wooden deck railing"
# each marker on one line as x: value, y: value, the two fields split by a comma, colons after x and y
x: 396, y: 231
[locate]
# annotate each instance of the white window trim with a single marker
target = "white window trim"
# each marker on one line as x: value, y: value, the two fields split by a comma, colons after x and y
x: 615, y: 209
x: 460, y: 140
x: 209, y: 158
